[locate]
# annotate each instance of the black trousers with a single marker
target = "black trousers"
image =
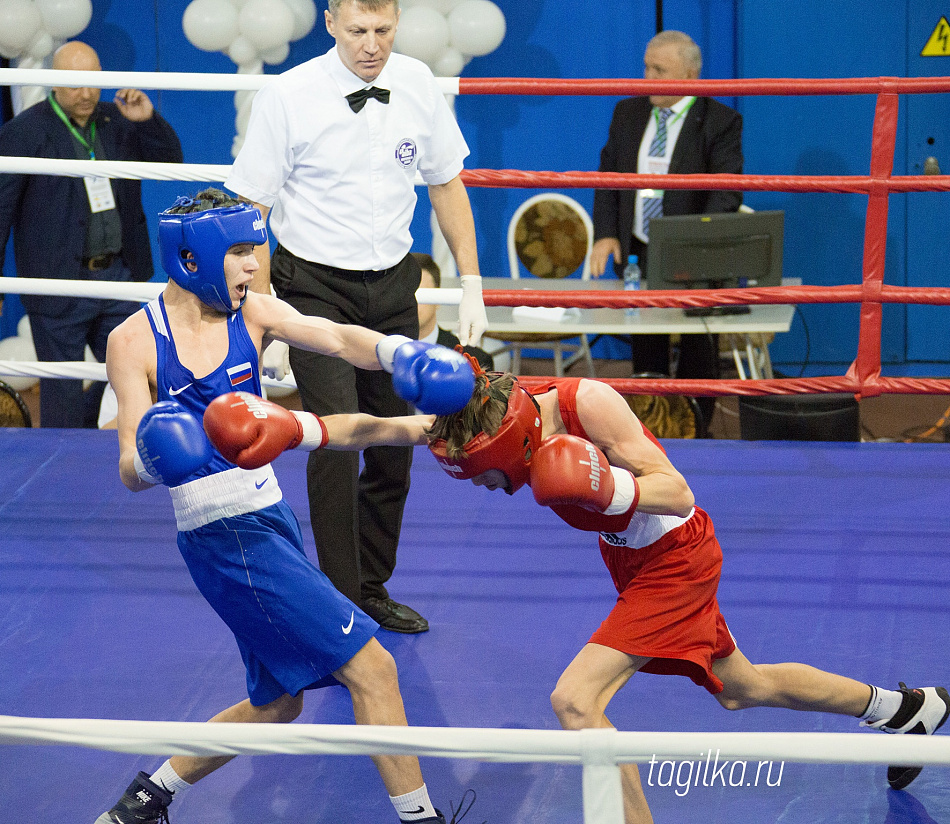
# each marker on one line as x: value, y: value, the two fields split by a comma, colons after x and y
x: 698, y: 355
x: 62, y: 334
x: 356, y: 516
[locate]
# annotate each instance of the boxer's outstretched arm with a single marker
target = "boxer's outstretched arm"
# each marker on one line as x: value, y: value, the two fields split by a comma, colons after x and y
x: 251, y: 432
x: 358, y: 431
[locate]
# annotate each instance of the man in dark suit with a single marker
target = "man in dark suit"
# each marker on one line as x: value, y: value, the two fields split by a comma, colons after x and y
x: 665, y: 135
x: 79, y: 228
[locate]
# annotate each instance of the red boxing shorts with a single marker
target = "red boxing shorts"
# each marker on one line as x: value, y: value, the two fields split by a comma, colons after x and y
x: 667, y: 609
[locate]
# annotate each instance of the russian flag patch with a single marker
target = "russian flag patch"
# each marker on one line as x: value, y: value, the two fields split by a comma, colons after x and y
x: 241, y: 373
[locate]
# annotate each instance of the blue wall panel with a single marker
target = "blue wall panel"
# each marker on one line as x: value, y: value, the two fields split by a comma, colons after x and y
x: 783, y: 135
x: 826, y: 135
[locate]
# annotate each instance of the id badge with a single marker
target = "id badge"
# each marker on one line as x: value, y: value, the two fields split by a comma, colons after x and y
x: 99, y: 191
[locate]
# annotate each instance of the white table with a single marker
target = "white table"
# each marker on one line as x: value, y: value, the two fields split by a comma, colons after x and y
x: 746, y: 335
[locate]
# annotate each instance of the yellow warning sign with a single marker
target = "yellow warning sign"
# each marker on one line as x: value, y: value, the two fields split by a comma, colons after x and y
x: 939, y: 43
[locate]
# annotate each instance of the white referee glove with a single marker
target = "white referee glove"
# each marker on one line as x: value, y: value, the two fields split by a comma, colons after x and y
x: 473, y: 321
x: 276, y: 360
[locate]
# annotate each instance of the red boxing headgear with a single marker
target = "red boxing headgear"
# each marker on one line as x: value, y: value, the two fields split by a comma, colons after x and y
x: 509, y: 450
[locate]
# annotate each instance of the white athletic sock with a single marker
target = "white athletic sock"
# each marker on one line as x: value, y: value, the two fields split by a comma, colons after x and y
x: 413, y: 806
x: 883, y: 705
x: 166, y: 777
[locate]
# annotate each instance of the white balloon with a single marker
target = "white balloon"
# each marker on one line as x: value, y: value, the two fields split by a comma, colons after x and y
x: 243, y: 96
x: 243, y: 117
x: 423, y: 33
x: 266, y: 23
x: 41, y: 47
x: 477, y: 26
x: 276, y: 55
x: 305, y: 15
x: 251, y: 67
x: 450, y: 63
x: 19, y: 22
x: 210, y: 25
x: 65, y: 18
x: 242, y: 50
x: 441, y: 6
x: 447, y: 5
x: 18, y: 349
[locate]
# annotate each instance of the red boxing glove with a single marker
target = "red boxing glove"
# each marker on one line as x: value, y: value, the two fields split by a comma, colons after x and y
x: 572, y: 476
x: 251, y: 432
x: 570, y: 470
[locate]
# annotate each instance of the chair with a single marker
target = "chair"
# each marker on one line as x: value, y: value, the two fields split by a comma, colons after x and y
x: 13, y: 410
x: 667, y: 416
x: 551, y: 235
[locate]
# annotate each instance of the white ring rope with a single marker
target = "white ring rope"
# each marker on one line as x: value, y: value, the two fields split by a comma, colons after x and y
x: 144, y: 292
x: 560, y: 746
x: 598, y: 751
x: 129, y: 169
x: 141, y: 292
x: 173, y: 81
x: 88, y: 371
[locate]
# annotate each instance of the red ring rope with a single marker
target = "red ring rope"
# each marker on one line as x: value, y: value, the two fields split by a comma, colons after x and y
x: 863, y: 377
x: 710, y: 88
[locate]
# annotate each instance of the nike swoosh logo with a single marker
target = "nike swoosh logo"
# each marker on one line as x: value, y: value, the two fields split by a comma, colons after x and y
x: 416, y: 812
x: 259, y: 485
x: 174, y: 392
x: 346, y: 631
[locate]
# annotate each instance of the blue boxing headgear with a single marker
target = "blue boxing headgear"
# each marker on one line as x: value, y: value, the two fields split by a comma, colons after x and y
x: 207, y: 235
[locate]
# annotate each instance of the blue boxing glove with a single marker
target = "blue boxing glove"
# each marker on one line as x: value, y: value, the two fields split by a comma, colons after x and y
x: 438, y: 380
x: 171, y: 444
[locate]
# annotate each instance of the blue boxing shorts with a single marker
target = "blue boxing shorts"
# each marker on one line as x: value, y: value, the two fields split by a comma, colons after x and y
x: 291, y: 624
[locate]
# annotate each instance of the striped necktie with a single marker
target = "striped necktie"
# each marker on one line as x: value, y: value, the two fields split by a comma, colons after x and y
x: 658, y: 146
x: 653, y: 206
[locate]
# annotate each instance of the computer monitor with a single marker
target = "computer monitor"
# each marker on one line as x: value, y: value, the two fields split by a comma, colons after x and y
x: 716, y: 251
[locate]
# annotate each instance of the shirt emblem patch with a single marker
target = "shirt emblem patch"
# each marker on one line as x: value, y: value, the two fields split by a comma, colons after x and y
x: 406, y: 152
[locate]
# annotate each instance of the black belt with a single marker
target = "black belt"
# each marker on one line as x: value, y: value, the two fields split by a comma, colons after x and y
x: 346, y: 274
x: 99, y: 262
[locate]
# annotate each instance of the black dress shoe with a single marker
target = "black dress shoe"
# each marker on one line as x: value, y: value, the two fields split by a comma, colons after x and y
x: 396, y: 617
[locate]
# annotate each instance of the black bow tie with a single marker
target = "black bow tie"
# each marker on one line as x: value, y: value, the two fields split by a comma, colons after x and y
x: 358, y: 99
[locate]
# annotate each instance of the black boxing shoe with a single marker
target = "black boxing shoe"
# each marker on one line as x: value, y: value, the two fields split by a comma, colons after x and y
x: 144, y: 802
x: 457, y: 814
x: 396, y: 617
x: 922, y: 712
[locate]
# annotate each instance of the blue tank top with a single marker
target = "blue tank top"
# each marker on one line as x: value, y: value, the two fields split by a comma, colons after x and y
x: 237, y: 373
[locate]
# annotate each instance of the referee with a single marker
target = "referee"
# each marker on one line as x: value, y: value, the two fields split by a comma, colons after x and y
x: 331, y: 154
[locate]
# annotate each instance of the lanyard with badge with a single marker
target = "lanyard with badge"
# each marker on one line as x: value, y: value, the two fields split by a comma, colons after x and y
x: 661, y: 165
x: 98, y: 189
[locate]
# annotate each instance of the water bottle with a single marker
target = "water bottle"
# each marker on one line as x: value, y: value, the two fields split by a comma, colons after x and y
x: 631, y: 282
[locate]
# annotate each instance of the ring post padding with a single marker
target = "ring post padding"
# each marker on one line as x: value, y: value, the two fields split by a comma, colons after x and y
x: 601, y: 783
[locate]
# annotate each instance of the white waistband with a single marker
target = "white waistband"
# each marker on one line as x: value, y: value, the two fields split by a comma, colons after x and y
x: 646, y: 529
x: 223, y: 495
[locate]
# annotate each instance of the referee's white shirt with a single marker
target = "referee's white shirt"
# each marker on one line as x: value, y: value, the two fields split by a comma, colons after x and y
x: 341, y: 184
